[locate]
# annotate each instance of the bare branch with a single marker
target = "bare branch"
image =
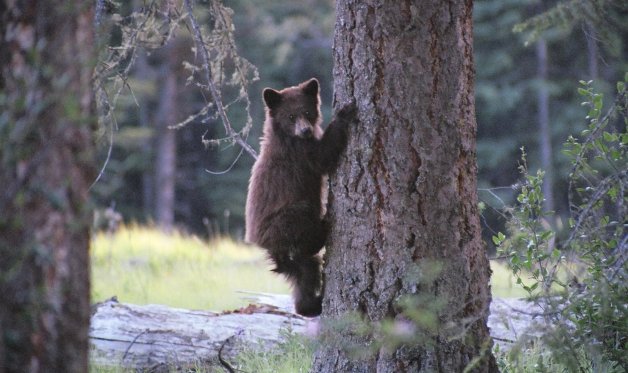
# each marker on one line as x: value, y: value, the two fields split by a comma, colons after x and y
x: 200, y: 46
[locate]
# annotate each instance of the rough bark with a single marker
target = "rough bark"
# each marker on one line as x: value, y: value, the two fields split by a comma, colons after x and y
x: 46, y: 166
x: 404, y: 198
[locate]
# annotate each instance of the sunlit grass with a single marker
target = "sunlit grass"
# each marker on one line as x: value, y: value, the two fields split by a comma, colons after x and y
x: 504, y: 283
x: 142, y: 265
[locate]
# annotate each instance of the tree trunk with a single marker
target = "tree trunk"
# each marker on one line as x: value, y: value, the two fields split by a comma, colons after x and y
x: 144, y: 73
x: 166, y: 155
x: 46, y: 166
x: 545, y: 133
x: 403, y: 202
x: 592, y: 50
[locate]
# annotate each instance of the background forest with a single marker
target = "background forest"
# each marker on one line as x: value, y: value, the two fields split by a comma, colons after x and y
x: 526, y: 96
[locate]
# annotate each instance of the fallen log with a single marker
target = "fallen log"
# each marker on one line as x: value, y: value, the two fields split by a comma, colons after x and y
x: 159, y: 338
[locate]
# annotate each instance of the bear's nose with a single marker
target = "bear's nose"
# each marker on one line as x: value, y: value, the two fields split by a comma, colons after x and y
x: 306, y: 132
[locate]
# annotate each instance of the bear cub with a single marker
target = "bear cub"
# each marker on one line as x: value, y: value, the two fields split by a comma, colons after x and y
x: 284, y: 206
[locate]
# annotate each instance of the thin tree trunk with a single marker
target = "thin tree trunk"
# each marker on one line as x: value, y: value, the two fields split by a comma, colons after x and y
x: 592, y: 51
x: 545, y: 133
x: 166, y: 157
x: 403, y: 202
x: 143, y: 73
x: 47, y: 164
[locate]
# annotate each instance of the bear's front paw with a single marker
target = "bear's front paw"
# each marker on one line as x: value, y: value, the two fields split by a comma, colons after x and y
x: 348, y: 112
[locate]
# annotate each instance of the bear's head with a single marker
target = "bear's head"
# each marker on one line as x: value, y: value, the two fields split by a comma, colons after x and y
x: 294, y: 111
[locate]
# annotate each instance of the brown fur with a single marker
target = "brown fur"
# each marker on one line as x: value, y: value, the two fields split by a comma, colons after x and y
x: 283, y: 207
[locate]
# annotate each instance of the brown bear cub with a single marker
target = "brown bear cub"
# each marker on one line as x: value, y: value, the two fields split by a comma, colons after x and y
x: 283, y: 206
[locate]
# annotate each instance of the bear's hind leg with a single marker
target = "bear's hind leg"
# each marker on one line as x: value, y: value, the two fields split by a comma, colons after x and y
x: 293, y: 236
x: 307, y: 287
x: 305, y: 275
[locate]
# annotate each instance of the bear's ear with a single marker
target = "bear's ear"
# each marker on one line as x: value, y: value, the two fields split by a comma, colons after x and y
x: 272, y: 98
x: 311, y: 87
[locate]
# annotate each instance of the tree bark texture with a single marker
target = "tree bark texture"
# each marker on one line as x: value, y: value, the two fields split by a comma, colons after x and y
x: 403, y: 200
x: 46, y: 167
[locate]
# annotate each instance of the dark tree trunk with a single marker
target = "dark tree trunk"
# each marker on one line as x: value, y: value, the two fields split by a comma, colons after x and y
x: 46, y: 166
x: 404, y: 198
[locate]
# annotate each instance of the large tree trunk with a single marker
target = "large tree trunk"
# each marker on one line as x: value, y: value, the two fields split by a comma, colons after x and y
x: 46, y: 165
x: 403, y: 202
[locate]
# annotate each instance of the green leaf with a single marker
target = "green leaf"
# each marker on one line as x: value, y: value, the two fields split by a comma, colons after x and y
x: 604, y: 221
x: 609, y: 136
x: 546, y: 235
x: 497, y: 240
x: 597, y: 101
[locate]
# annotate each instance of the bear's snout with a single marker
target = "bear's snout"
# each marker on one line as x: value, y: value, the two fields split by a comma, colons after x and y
x: 303, y: 128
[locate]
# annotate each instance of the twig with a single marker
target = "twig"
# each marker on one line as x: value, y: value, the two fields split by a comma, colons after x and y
x: 200, y: 46
x: 131, y: 344
x: 504, y: 340
x: 224, y: 362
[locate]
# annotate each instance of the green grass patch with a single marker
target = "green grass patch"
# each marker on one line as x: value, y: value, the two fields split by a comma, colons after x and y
x: 504, y: 283
x: 294, y: 355
x: 142, y: 265
x: 534, y: 357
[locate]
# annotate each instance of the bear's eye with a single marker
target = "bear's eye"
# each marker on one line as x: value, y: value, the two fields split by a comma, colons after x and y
x: 291, y: 116
x: 307, y: 113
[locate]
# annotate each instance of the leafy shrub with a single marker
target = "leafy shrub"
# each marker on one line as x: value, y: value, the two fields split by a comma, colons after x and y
x: 580, y: 282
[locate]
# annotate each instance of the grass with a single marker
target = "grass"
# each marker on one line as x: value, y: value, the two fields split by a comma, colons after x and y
x: 503, y: 282
x: 536, y: 357
x: 294, y: 355
x: 141, y: 265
